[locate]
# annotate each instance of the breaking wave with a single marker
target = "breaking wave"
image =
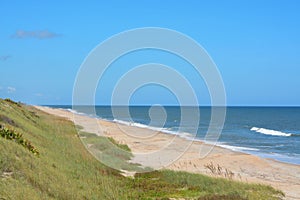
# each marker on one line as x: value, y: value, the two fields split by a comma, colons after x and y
x: 271, y: 132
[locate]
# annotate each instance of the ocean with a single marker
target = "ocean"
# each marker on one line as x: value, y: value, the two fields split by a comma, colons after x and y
x: 268, y: 132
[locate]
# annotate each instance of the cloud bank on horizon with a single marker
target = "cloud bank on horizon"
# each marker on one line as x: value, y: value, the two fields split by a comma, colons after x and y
x: 39, y: 34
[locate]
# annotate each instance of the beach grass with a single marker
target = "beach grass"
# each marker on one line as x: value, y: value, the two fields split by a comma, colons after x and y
x: 64, y: 169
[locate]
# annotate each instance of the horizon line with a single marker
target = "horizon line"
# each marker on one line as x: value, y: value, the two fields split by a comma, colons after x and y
x: 169, y: 105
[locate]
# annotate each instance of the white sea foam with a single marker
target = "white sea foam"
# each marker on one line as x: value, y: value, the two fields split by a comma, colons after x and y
x: 72, y: 111
x: 185, y: 135
x: 270, y: 132
x: 235, y: 148
x: 78, y: 113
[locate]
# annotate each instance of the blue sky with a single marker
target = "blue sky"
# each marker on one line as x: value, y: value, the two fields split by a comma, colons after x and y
x: 255, y: 44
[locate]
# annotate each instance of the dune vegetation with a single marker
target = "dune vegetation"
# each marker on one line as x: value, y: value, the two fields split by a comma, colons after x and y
x: 42, y: 157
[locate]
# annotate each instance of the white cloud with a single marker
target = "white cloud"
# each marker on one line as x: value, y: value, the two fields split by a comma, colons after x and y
x: 38, y: 94
x: 4, y: 58
x: 42, y: 34
x: 11, y: 89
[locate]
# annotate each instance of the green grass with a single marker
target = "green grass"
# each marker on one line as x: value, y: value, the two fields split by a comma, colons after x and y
x: 109, y: 151
x: 64, y: 168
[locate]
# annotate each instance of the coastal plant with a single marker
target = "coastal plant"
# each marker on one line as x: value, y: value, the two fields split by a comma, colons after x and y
x: 109, y: 151
x: 119, y: 145
x: 217, y: 170
x: 13, y: 102
x: 11, y: 134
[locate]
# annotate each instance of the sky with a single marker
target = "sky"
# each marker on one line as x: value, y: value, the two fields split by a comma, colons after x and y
x: 255, y: 45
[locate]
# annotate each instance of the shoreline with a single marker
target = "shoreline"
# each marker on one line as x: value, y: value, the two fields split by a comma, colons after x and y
x: 245, y: 167
x: 246, y: 150
x: 237, y: 149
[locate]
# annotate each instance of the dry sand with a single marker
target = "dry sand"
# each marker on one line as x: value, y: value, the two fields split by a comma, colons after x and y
x: 157, y: 150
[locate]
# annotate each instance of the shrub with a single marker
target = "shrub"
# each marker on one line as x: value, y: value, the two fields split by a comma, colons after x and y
x: 10, y: 134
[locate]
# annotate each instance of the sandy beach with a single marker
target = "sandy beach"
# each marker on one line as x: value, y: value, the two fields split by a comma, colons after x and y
x: 161, y: 150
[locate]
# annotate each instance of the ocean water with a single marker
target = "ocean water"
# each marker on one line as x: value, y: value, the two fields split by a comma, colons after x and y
x: 269, y: 132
